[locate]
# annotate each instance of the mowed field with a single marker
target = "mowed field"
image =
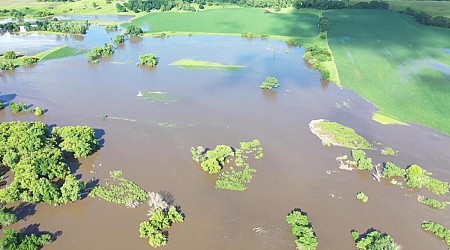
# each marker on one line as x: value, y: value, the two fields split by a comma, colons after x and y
x: 232, y: 21
x: 399, y: 65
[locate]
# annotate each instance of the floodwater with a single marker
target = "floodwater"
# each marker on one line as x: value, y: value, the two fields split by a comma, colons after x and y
x: 221, y: 108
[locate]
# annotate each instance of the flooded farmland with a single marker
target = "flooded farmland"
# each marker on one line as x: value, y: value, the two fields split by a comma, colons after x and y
x: 218, y: 107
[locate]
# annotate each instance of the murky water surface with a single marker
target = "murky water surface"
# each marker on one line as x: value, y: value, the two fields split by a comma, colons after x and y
x: 219, y: 108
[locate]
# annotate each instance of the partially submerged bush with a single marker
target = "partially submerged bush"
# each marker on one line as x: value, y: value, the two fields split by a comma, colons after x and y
x: 161, y: 216
x: 270, y: 83
x: 27, y: 61
x: 10, y: 55
x: 391, y: 170
x: 362, y: 162
x: 16, y: 108
x: 438, y: 230
x: 8, y: 66
x: 119, y: 39
x: 79, y: 140
x: 149, y: 60
x: 38, y: 111
x: 133, y: 30
x: 374, y: 240
x: 433, y: 202
x: 362, y: 197
x: 302, y: 230
x: 15, y: 240
x: 120, y: 190
x: 99, y: 52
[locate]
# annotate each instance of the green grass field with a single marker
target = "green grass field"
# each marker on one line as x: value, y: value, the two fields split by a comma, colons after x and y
x: 232, y: 20
x: 397, y: 64
x: 204, y: 65
x: 55, y: 53
x: 434, y: 8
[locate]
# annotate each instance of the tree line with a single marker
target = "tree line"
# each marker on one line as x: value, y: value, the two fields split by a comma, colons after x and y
x: 52, y: 26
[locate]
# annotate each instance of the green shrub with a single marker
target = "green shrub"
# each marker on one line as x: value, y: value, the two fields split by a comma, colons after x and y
x: 120, y: 190
x: 361, y: 160
x: 302, y: 230
x: 15, y: 240
x: 16, y: 108
x: 119, y: 39
x: 215, y: 158
x: 389, y: 151
x: 433, y: 202
x: 7, y: 218
x: 235, y: 180
x: 99, y: 52
x: 437, y: 187
x: 159, y: 220
x: 10, y: 55
x: 269, y: 83
x: 391, y: 170
x: 149, y: 60
x: 79, y: 140
x: 438, y: 230
x: 133, y: 30
x: 374, y: 241
x: 8, y: 66
x: 27, y: 61
x: 38, y: 111
x: 362, y: 197
x: 111, y: 27
x: 416, y: 177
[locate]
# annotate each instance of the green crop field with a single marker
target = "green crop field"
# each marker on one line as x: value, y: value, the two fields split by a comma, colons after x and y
x: 434, y: 8
x: 233, y: 20
x: 401, y: 66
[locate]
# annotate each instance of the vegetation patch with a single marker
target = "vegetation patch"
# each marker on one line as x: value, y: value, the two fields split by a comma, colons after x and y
x: 155, y: 96
x: 99, y: 52
x: 270, y: 83
x: 302, y: 230
x: 433, y: 202
x: 316, y: 56
x: 239, y: 175
x: 374, y: 240
x: 386, y: 120
x: 15, y: 240
x: 438, y: 230
x: 79, y: 140
x: 149, y: 60
x: 120, y: 190
x: 205, y: 65
x: 40, y: 171
x: 333, y: 133
x: 161, y: 216
x: 388, y: 151
x: 7, y: 218
x: 362, y: 197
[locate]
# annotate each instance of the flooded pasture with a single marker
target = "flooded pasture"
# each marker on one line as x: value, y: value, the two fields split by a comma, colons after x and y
x: 217, y: 107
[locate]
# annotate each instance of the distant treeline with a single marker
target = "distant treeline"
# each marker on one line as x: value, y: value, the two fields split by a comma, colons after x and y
x: 425, y: 18
x: 52, y: 26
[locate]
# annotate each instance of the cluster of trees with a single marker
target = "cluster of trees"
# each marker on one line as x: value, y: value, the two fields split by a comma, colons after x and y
x: 10, y: 54
x: 38, y: 163
x: 161, y: 216
x: 19, y: 241
x: 133, y: 30
x: 302, y: 230
x: 374, y: 240
x: 149, y: 60
x: 427, y: 19
x: 119, y: 39
x: 270, y: 83
x: 7, y: 218
x: 43, y: 13
x: 99, y: 52
x: 163, y: 5
x: 13, y: 12
x: 316, y: 56
x: 48, y: 25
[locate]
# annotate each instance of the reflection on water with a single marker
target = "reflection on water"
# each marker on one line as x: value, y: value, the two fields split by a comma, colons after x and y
x: 220, y: 108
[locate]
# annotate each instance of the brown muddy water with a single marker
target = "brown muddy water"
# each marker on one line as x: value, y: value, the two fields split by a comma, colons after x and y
x: 221, y: 108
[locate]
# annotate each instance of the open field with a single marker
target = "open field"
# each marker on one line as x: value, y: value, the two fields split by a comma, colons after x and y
x: 434, y: 8
x: 230, y: 20
x: 397, y: 64
x: 82, y: 7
